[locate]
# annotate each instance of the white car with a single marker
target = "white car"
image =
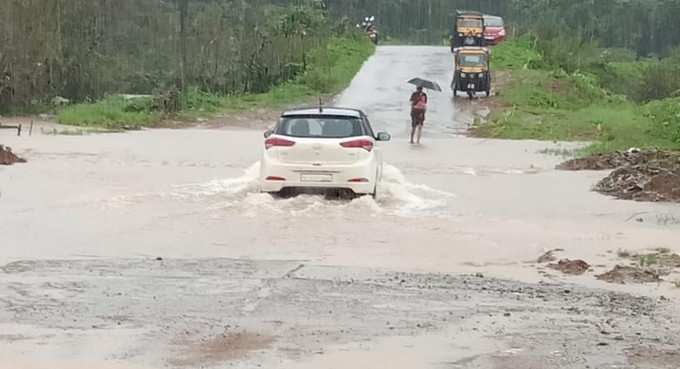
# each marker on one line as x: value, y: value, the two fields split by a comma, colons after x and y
x: 320, y: 150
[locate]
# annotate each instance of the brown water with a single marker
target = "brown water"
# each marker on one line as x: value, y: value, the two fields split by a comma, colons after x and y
x: 452, y: 205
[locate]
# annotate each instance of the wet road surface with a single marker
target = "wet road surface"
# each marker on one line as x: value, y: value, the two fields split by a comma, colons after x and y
x: 248, y: 280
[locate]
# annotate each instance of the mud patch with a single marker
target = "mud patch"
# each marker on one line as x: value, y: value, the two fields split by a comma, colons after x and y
x: 641, y: 176
x: 628, y: 274
x: 572, y: 267
x: 616, y: 160
x: 7, y: 157
x: 224, y: 348
x: 660, y: 182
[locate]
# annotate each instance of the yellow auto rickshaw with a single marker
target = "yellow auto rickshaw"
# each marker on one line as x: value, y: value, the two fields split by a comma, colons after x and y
x: 472, y: 73
x: 468, y: 30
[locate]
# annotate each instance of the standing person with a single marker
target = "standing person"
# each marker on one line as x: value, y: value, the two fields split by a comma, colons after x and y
x: 418, y: 108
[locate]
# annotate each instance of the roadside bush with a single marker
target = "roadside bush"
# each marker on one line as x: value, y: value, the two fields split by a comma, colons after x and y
x: 664, y: 117
x: 319, y: 81
x: 516, y: 53
x: 621, y: 78
x: 618, y: 55
x: 567, y: 53
x: 587, y: 88
x: 113, y: 112
x: 197, y: 100
x: 660, y: 80
x: 138, y: 105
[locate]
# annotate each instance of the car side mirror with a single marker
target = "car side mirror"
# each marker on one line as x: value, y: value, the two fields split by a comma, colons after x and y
x: 268, y: 133
x: 383, y: 136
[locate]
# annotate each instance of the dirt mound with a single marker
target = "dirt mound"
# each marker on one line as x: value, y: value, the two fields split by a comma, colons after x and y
x: 7, y: 157
x: 638, y: 175
x: 574, y: 267
x: 616, y: 160
x: 626, y: 274
x: 654, y: 181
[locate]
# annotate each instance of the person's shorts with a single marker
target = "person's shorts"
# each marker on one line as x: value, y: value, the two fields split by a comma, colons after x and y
x: 417, y: 117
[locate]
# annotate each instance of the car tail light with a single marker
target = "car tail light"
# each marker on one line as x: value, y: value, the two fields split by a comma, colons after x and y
x: 358, y: 144
x: 275, y: 178
x: 275, y: 141
x: 501, y: 33
x: 358, y: 180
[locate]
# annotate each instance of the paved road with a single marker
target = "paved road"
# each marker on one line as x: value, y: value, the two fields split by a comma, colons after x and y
x: 246, y: 280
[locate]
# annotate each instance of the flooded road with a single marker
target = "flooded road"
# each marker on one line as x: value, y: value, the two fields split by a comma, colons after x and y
x: 159, y: 243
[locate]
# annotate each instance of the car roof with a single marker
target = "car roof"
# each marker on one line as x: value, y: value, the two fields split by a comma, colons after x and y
x: 326, y: 111
x: 487, y: 16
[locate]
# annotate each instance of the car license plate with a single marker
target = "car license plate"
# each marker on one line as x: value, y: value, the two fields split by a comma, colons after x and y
x: 316, y: 178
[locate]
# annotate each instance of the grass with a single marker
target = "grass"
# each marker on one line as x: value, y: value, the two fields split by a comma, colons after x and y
x: 330, y: 70
x: 113, y: 112
x: 648, y: 260
x: 514, y: 54
x: 546, y: 104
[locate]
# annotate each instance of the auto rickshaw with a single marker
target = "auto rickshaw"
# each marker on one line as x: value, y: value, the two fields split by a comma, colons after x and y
x: 472, y: 73
x: 468, y: 30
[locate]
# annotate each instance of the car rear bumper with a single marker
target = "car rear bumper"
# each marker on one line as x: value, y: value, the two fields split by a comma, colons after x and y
x: 494, y: 40
x: 360, y: 178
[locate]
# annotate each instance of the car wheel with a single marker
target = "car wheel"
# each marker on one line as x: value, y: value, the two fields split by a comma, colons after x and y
x: 285, y: 193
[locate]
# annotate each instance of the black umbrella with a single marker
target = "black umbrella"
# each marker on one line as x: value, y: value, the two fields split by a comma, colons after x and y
x: 430, y: 85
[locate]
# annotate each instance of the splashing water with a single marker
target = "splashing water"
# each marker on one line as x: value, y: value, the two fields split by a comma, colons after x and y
x: 247, y: 183
x: 396, y: 196
x: 406, y: 198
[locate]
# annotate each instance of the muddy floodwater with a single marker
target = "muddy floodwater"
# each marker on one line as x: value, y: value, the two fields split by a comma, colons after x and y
x: 155, y: 249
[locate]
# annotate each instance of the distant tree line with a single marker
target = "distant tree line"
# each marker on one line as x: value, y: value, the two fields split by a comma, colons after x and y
x: 645, y: 26
x: 85, y: 49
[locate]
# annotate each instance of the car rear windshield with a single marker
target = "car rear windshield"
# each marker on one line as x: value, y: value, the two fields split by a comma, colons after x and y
x: 493, y: 22
x: 470, y: 23
x: 471, y: 60
x: 321, y: 127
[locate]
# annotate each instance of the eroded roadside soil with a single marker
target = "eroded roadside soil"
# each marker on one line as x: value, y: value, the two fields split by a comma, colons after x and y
x: 235, y: 313
x: 7, y: 157
x: 636, y: 175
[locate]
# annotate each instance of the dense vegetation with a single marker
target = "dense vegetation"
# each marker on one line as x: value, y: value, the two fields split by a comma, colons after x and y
x: 197, y: 56
x: 645, y: 26
x: 608, y: 99
x: 86, y: 49
x: 329, y: 69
